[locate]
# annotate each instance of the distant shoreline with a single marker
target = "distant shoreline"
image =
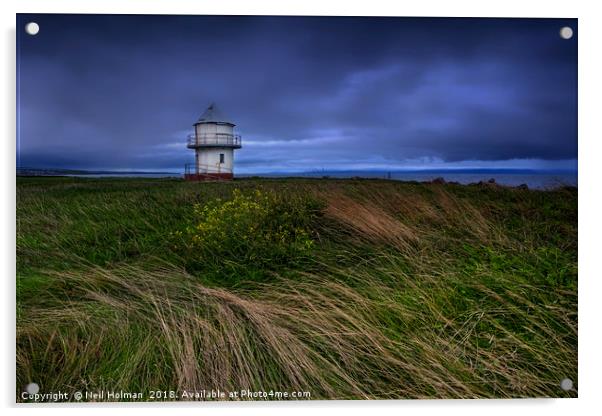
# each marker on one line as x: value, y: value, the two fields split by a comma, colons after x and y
x: 312, y: 173
x: 533, y: 179
x: 71, y: 172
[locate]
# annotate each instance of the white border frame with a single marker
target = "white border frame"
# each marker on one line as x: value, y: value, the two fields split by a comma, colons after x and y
x: 590, y: 68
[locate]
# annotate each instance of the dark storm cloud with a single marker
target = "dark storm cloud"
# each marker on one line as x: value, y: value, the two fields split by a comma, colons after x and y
x: 121, y: 92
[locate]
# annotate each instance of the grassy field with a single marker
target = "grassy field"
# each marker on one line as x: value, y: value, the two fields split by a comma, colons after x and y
x: 348, y: 289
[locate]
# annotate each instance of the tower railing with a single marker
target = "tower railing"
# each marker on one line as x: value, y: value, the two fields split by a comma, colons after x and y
x: 214, y: 140
x: 204, y: 172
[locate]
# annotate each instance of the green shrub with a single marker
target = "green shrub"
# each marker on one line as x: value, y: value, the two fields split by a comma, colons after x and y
x: 259, y: 229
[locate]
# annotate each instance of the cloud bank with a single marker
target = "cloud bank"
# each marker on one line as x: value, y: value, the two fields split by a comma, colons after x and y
x: 121, y: 92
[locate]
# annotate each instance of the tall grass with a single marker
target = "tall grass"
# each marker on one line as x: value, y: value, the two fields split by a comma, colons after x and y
x: 412, y: 291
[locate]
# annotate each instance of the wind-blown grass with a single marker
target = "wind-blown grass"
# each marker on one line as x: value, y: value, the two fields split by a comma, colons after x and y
x: 410, y: 291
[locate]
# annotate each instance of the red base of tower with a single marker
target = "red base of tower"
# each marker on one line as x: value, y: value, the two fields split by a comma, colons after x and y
x: 208, y: 176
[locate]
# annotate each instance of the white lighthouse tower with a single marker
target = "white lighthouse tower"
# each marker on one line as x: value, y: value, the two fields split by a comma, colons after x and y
x: 213, y: 142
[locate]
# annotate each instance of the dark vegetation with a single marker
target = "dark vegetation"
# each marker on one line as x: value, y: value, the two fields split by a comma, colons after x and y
x: 348, y: 289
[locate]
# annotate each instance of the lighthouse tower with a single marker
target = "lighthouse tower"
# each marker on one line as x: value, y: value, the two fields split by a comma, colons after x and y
x: 213, y: 142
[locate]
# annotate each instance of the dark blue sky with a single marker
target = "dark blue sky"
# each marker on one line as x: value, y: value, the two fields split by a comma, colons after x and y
x: 306, y: 93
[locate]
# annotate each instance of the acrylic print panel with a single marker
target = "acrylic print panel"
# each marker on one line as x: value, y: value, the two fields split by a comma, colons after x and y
x: 295, y: 208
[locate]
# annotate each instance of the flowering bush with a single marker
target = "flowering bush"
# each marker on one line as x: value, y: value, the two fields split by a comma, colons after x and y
x: 254, y: 228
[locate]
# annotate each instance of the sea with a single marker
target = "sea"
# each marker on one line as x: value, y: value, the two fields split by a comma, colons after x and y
x: 534, y: 179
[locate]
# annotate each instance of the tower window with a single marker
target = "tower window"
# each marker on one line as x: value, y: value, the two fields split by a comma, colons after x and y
x: 221, y: 158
